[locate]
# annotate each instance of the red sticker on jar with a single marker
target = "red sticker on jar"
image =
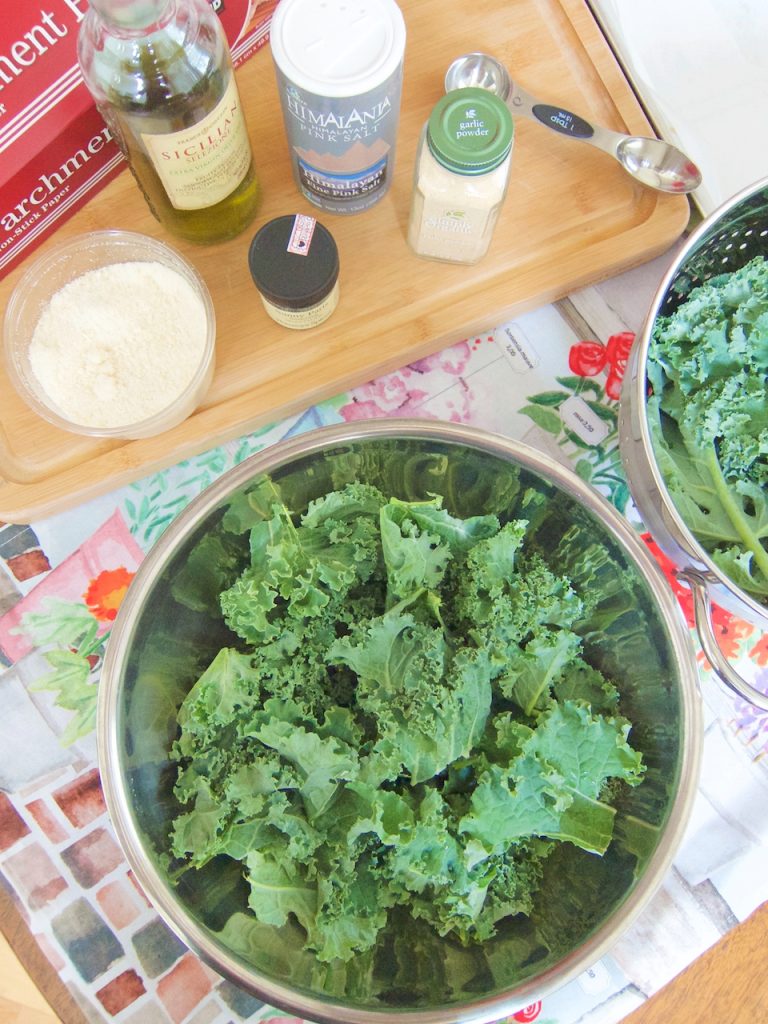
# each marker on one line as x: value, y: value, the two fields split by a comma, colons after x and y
x: 301, y: 234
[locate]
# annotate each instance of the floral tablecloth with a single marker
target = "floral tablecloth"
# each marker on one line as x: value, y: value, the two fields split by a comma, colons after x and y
x: 550, y: 378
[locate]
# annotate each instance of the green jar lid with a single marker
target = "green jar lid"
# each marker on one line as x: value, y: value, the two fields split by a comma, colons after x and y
x: 470, y: 131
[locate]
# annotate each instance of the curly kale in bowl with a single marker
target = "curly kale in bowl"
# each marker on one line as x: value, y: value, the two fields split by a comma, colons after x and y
x: 407, y: 720
x: 708, y: 416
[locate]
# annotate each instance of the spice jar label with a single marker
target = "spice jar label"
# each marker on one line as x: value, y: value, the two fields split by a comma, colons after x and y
x: 301, y: 234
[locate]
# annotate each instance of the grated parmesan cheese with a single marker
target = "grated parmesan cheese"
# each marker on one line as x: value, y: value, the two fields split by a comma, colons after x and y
x: 119, y: 344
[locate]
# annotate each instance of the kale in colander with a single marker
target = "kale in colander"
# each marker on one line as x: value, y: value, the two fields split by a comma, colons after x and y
x: 708, y: 415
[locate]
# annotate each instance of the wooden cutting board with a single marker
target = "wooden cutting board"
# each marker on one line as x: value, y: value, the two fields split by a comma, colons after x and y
x: 571, y: 217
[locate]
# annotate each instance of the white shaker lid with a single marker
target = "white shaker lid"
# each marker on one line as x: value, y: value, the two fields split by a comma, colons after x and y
x: 337, y: 48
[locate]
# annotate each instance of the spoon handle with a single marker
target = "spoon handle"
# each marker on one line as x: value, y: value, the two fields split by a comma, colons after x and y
x: 563, y: 121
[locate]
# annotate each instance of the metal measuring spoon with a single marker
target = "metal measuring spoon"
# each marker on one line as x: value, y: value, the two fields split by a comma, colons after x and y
x: 650, y: 161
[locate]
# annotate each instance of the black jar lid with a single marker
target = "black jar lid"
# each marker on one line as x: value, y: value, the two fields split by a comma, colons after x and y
x: 294, y: 261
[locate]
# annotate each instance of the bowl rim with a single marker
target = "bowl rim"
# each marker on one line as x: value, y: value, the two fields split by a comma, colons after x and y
x: 109, y: 239
x: 326, y: 1010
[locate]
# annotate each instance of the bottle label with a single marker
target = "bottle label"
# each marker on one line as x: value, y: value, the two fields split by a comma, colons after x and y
x: 302, y: 319
x: 453, y: 233
x: 453, y: 215
x: 323, y: 188
x: 342, y: 148
x: 201, y: 165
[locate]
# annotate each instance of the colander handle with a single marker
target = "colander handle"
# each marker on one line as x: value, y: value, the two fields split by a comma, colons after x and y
x: 702, y: 611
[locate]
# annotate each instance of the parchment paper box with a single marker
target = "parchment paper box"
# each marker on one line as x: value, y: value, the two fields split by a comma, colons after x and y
x: 55, y: 150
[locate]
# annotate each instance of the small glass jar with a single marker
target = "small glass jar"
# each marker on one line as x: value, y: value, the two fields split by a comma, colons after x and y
x: 461, y: 176
x: 294, y: 263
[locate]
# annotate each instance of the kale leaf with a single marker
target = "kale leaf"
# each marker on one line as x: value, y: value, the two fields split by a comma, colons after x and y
x: 406, y: 722
x: 708, y: 370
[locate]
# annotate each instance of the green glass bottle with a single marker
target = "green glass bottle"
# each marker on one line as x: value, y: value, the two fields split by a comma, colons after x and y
x: 161, y: 74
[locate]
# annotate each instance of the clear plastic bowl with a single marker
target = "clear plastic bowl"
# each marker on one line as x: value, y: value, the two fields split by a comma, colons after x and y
x: 62, y: 264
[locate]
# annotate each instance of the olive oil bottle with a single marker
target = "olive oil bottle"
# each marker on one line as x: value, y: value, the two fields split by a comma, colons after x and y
x: 161, y: 74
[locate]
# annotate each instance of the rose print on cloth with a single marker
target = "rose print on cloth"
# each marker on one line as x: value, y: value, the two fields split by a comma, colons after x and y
x: 581, y: 415
x: 590, y: 358
x: 587, y: 358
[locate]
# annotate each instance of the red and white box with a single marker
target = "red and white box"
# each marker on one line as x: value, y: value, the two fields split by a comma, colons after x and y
x: 55, y: 150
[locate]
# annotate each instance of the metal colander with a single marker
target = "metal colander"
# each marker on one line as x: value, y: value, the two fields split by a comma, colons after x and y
x: 727, y: 240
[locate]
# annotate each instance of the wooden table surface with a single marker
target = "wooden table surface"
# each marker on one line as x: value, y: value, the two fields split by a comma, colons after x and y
x: 726, y: 985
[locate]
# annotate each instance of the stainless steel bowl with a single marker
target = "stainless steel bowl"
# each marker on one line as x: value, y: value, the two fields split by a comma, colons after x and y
x: 159, y: 643
x: 727, y: 240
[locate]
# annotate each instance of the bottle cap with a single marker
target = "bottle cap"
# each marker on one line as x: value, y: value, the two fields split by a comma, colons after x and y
x: 337, y: 48
x: 129, y: 13
x: 470, y: 131
x: 294, y: 261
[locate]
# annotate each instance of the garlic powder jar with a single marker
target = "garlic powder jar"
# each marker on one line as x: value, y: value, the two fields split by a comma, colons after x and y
x: 461, y: 176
